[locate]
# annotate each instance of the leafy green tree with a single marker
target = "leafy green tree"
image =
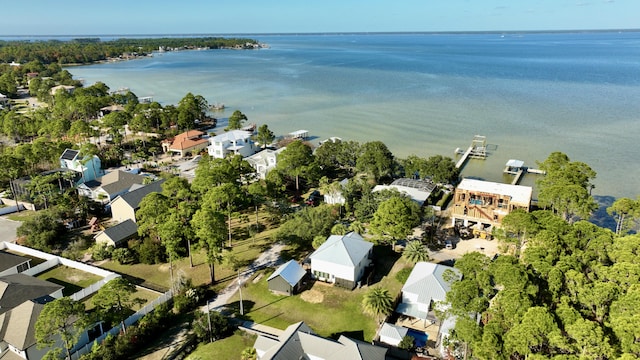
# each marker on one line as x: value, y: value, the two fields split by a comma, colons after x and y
x: 626, y: 212
x: 337, y: 155
x: 264, y: 136
x: 566, y: 187
x: 297, y: 161
x: 191, y: 108
x: 63, y: 319
x: 183, y: 204
x: 42, y: 231
x: 441, y: 169
x: 223, y: 197
x: 516, y: 226
x: 395, y: 219
x: 219, y: 325
x: 236, y: 120
x: 415, y: 251
x: 213, y: 172
x: 377, y: 301
x: 375, y: 159
x: 13, y: 168
x: 407, y: 343
x: 306, y: 224
x: 210, y: 229
x: 536, y: 333
x: 114, y: 301
x: 339, y: 229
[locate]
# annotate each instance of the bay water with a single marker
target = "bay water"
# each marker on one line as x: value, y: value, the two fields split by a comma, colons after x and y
x: 425, y: 94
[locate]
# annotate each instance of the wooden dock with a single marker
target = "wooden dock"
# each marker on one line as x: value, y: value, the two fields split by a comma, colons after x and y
x: 517, y: 177
x: 517, y: 169
x: 477, y: 150
x: 464, y: 158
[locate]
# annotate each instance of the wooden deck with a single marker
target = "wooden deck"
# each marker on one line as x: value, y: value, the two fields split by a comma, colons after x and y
x: 464, y: 158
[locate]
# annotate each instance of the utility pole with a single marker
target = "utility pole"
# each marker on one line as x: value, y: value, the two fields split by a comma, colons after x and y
x: 209, y: 321
x: 240, y: 290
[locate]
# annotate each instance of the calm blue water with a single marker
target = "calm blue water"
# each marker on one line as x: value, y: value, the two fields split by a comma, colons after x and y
x: 426, y: 94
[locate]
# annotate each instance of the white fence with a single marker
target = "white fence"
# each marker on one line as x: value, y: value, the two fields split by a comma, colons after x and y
x: 53, y: 260
x: 128, y: 322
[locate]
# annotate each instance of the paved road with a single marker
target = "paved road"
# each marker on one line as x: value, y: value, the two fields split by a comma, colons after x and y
x: 269, y: 258
x: 8, y: 229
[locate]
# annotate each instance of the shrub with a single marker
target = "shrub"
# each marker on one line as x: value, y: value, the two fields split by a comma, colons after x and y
x: 123, y: 255
x: 101, y: 251
x: 403, y: 275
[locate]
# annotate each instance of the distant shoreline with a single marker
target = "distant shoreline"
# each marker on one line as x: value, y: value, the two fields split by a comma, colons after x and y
x: 480, y: 32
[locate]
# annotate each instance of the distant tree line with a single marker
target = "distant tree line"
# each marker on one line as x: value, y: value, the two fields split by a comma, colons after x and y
x: 86, y: 51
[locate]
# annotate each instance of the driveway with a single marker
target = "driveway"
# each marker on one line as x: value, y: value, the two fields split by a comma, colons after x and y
x: 8, y: 229
x: 269, y: 258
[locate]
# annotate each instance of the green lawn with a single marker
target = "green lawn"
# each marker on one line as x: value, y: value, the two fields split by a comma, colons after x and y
x: 339, y: 312
x: 226, y: 349
x: 22, y: 215
x: 245, y: 251
x: 72, y: 279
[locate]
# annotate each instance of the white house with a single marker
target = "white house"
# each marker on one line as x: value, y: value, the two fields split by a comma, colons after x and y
x: 425, y: 289
x: 342, y: 259
x: 392, y: 334
x: 333, y: 195
x: 264, y: 161
x: 89, y: 166
x: 13, y: 264
x: 236, y: 142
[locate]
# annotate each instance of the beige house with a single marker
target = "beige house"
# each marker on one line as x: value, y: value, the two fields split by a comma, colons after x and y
x: 118, y: 234
x: 486, y: 203
x: 124, y: 206
x: 109, y: 186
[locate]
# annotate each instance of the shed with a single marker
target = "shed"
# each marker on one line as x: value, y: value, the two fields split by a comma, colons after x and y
x: 117, y: 234
x: 286, y: 280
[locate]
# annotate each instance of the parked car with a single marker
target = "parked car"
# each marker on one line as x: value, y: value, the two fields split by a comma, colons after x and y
x: 314, y: 198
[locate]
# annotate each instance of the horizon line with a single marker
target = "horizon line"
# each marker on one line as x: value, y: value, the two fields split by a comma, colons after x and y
x: 340, y: 33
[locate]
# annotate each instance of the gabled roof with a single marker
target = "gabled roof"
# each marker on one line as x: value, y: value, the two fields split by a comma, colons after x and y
x: 186, y: 144
x: 291, y: 272
x: 191, y: 134
x: 18, y: 326
x: 260, y: 158
x: 298, y: 341
x: 121, y: 231
x: 346, y: 250
x: 133, y: 197
x: 69, y: 154
x: 8, y: 261
x: 231, y: 136
x: 18, y: 288
x: 428, y: 282
x: 117, y: 181
x: 393, y: 331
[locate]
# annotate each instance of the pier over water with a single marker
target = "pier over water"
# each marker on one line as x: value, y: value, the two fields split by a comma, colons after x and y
x: 477, y: 150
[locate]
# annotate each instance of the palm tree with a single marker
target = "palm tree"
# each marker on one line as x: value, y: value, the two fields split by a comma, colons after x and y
x: 416, y: 252
x: 377, y: 301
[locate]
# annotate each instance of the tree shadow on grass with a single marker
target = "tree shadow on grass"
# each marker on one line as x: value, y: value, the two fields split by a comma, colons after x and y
x: 69, y: 288
x: 383, y: 258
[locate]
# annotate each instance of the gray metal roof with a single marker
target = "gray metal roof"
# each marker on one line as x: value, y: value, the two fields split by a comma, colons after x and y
x: 291, y: 272
x: 8, y: 261
x: 423, y: 185
x: 393, y: 331
x: 346, y: 250
x: 427, y: 281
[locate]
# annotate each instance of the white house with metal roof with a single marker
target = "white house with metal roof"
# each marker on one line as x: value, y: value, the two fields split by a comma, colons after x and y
x: 342, y: 259
x: 264, y: 161
x: 236, y: 142
x: 425, y: 289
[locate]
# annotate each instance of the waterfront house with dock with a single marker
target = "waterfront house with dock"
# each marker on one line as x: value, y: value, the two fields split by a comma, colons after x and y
x: 486, y: 203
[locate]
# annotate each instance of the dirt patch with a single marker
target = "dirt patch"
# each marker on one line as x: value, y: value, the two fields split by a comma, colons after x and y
x: 163, y: 268
x: 74, y: 278
x: 312, y: 296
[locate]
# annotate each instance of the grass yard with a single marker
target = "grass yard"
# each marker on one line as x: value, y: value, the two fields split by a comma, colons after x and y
x: 329, y: 310
x: 72, y: 279
x: 22, y: 215
x: 157, y: 275
x: 226, y: 349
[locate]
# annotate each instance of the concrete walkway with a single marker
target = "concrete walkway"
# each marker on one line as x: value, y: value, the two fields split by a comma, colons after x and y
x: 8, y: 229
x: 269, y: 258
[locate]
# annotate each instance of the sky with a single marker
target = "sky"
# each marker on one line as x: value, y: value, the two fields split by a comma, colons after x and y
x: 120, y: 17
